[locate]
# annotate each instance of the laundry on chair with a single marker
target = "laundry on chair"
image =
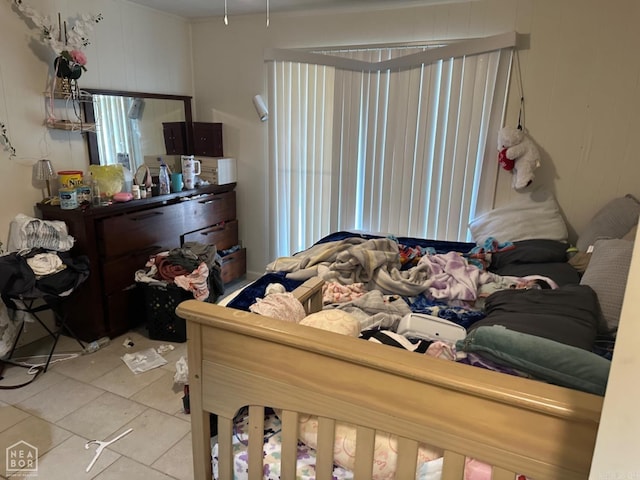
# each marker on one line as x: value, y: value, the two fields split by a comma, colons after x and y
x: 27, y: 232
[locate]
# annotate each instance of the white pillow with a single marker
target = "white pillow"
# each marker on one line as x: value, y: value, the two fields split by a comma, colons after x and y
x: 535, y: 215
x: 334, y: 321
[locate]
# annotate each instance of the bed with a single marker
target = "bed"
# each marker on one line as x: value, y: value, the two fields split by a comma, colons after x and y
x: 269, y: 368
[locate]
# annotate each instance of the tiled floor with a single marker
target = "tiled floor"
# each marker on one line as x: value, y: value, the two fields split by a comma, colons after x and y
x: 96, y: 397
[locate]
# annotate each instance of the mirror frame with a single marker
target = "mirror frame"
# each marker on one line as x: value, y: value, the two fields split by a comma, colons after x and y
x: 92, y: 139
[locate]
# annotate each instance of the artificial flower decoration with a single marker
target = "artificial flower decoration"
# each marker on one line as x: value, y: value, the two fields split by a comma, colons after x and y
x: 67, y: 43
x: 4, y: 138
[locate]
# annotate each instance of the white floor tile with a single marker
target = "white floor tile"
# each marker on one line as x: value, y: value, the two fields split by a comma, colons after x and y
x: 153, y: 434
x: 35, y: 431
x: 60, y: 399
x: 128, y: 469
x: 178, y: 460
x: 14, y: 374
x: 70, y: 459
x: 101, y: 417
x: 162, y: 395
x: 9, y: 416
x: 124, y: 382
x: 89, y: 367
x: 96, y: 396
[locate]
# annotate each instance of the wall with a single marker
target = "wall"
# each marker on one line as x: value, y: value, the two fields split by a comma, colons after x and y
x: 580, y: 88
x: 133, y: 48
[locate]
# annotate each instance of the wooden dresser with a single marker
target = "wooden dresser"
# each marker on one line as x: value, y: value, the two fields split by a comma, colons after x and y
x: 119, y: 238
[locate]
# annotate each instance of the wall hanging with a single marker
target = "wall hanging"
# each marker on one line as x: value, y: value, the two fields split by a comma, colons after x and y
x: 67, y: 39
x: 4, y: 139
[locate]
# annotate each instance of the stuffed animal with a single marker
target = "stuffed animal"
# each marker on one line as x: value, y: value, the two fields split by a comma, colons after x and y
x: 515, y: 146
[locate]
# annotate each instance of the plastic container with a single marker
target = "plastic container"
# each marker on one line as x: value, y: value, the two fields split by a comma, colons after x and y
x: 160, y: 311
x: 68, y: 198
x: 70, y: 178
x: 429, y: 327
x: 97, y: 345
x: 96, y: 197
x: 128, y: 180
x: 163, y: 180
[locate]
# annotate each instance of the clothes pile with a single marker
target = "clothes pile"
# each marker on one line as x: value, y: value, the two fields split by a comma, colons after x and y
x: 195, y: 267
x: 39, y: 266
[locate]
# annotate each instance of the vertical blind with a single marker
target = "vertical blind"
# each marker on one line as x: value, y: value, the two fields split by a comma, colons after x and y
x: 385, y: 139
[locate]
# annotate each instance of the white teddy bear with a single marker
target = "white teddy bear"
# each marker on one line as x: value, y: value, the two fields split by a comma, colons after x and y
x: 518, y: 152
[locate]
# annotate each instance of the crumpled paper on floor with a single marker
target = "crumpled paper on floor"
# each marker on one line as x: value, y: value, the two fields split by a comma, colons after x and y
x: 143, y: 360
x: 182, y: 372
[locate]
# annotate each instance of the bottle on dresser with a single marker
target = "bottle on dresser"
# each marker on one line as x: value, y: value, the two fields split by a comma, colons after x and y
x: 163, y: 179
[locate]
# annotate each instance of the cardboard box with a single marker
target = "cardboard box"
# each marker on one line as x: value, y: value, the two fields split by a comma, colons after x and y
x: 218, y: 170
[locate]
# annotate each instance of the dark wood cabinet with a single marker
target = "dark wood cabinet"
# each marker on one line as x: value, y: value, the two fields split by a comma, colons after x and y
x: 175, y: 137
x: 118, y: 239
x: 203, y: 139
x: 207, y: 139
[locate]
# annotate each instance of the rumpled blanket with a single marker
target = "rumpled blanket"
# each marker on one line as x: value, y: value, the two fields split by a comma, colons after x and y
x: 283, y: 306
x: 450, y: 276
x: 375, y: 310
x: 376, y: 263
x: 334, y: 292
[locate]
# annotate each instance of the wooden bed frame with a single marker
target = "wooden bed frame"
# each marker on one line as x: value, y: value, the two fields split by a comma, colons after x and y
x: 241, y: 359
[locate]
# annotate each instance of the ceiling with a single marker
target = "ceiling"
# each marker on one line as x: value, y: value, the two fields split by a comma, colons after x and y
x: 208, y: 8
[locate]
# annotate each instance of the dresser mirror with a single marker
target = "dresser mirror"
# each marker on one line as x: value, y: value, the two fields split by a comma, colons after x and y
x: 129, y: 125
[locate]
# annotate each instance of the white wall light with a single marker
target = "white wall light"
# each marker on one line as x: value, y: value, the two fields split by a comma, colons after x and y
x: 261, y: 108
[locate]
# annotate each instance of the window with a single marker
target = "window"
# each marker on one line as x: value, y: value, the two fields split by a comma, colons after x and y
x: 388, y: 139
x: 123, y: 142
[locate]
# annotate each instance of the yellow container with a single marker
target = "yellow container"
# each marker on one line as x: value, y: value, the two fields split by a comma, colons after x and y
x: 70, y: 179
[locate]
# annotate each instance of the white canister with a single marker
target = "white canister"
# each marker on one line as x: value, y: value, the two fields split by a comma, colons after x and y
x: 190, y: 168
x: 68, y: 198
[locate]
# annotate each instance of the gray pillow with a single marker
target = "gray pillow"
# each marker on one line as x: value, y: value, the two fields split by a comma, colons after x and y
x: 614, y: 220
x: 607, y: 275
x: 542, y: 358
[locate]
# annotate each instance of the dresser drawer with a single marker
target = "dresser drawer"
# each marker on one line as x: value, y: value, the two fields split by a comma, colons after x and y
x: 206, y: 211
x: 234, y: 265
x: 156, y: 227
x: 223, y: 235
x: 119, y: 273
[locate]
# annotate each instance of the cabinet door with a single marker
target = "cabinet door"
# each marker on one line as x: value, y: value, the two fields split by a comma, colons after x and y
x: 175, y: 136
x: 207, y: 139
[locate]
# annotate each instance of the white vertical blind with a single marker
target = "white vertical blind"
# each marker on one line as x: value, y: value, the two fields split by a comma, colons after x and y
x: 398, y: 150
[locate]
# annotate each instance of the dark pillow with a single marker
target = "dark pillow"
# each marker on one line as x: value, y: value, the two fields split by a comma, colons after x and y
x: 568, y: 315
x: 561, y: 273
x: 531, y: 251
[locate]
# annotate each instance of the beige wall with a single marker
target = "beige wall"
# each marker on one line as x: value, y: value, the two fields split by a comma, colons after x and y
x: 579, y: 77
x: 133, y: 48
